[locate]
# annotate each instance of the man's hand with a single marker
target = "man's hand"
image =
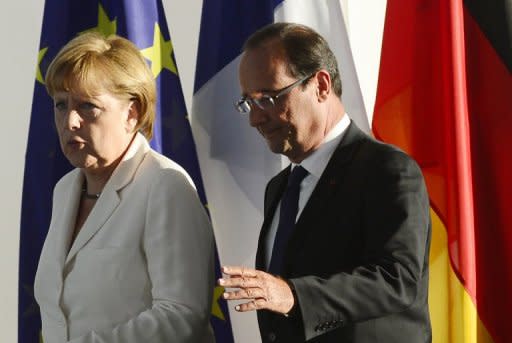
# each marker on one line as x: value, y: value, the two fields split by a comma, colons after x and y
x: 263, y: 289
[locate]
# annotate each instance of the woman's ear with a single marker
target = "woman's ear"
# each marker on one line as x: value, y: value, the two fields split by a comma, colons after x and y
x: 133, y: 115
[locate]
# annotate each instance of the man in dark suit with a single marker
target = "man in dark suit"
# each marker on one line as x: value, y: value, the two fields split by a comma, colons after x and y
x: 352, y: 263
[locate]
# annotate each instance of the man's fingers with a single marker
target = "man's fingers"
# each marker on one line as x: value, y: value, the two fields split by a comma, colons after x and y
x: 239, y: 271
x: 248, y: 293
x: 257, y: 304
x: 268, y: 292
x: 239, y: 282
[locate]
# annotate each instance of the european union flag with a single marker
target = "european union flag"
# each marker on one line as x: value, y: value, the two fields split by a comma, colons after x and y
x: 144, y: 23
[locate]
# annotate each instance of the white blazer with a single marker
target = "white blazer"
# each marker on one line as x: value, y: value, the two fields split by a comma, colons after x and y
x: 141, y: 268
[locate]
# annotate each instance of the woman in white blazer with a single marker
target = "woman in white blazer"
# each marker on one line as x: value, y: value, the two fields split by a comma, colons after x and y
x: 129, y: 253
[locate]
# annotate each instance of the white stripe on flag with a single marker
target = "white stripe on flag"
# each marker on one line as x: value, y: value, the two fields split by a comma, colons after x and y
x: 235, y: 165
x: 327, y: 19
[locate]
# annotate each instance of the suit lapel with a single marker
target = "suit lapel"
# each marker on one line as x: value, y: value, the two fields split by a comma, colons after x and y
x: 109, y: 199
x: 334, y: 171
x: 102, y: 210
x: 65, y: 223
x: 329, y: 184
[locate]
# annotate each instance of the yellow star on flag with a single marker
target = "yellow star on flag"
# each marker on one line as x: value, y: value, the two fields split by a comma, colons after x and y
x: 40, y: 56
x: 160, y: 54
x: 105, y: 26
x: 216, y: 310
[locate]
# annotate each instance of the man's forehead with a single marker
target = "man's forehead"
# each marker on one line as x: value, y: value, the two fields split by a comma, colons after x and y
x: 262, y: 70
x: 256, y: 59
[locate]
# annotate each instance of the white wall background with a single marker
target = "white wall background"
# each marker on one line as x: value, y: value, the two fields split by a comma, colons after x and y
x: 20, y: 25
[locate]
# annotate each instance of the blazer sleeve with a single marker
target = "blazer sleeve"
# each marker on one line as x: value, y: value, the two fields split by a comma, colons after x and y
x: 396, y: 223
x: 179, y: 247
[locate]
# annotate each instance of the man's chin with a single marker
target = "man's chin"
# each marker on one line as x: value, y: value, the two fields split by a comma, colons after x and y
x: 282, y: 148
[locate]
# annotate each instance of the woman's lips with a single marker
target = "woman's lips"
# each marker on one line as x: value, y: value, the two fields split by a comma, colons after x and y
x: 75, y: 143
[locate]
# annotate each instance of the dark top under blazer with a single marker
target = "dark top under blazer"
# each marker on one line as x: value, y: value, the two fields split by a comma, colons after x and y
x: 358, y: 257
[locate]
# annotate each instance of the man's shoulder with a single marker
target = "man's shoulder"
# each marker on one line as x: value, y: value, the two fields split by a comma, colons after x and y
x: 372, y: 148
x: 377, y: 158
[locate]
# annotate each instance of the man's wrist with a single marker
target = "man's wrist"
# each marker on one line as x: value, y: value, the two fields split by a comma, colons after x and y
x: 293, y: 311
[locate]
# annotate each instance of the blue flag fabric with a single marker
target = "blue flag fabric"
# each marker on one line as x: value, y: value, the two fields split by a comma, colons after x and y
x: 221, y: 41
x: 144, y: 23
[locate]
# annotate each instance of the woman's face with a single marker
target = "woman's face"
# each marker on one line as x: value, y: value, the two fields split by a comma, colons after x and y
x: 94, y: 131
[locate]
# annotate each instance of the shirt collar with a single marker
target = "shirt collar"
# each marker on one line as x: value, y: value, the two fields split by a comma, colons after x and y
x: 316, y: 162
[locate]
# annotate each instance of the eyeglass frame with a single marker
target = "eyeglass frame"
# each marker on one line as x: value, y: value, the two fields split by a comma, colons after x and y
x: 272, y: 99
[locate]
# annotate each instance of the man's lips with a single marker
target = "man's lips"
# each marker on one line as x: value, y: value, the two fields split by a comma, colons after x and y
x: 269, y: 132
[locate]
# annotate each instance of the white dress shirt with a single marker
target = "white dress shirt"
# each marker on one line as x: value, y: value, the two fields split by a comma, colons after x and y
x: 315, y: 165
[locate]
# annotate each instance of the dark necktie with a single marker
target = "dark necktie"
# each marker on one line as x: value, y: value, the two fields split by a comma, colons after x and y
x: 287, y: 216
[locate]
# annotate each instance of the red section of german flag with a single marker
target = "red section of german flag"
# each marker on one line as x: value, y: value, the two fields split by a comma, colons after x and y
x: 445, y: 97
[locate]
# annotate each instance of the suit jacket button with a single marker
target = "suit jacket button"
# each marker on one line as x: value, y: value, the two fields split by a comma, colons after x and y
x: 272, y: 337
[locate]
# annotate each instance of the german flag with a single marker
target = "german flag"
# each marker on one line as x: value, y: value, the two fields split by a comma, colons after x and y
x: 445, y: 96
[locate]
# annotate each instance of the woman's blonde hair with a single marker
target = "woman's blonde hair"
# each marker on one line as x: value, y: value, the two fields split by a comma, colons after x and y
x: 93, y: 63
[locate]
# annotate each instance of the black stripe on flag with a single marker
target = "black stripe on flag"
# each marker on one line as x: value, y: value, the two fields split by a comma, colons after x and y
x: 494, y: 19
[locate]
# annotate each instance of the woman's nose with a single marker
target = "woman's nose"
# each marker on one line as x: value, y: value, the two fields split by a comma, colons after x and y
x: 72, y: 120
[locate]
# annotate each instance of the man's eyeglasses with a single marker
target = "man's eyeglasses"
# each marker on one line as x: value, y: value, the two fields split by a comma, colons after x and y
x: 266, y: 102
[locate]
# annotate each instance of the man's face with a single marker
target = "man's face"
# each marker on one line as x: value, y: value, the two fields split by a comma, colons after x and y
x: 294, y: 126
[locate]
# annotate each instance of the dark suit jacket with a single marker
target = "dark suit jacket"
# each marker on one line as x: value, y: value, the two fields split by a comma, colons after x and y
x: 358, y: 257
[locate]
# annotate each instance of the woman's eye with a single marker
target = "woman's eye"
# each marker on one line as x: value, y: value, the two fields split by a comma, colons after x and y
x: 87, y: 106
x: 88, y: 110
x: 60, y: 105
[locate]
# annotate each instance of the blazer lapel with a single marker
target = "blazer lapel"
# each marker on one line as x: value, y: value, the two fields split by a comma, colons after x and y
x: 109, y: 199
x: 65, y: 223
x: 329, y: 184
x: 102, y: 210
x: 335, y: 170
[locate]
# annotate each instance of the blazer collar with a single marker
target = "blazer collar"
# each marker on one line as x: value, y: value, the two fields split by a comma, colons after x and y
x: 109, y: 199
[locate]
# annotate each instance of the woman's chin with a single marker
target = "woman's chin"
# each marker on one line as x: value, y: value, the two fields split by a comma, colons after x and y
x: 80, y: 161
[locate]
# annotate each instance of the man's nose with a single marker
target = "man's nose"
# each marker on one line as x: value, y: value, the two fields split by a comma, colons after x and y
x: 257, y: 116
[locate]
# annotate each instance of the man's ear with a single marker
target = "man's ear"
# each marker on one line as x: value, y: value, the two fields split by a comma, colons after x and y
x: 323, y: 85
x: 133, y: 115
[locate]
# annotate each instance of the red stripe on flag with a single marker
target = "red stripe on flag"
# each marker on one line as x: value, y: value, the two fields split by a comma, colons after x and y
x: 415, y: 109
x: 444, y: 96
